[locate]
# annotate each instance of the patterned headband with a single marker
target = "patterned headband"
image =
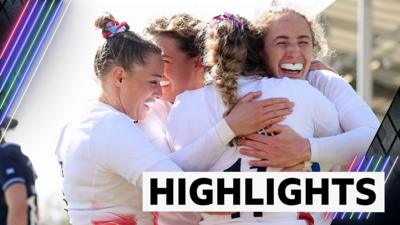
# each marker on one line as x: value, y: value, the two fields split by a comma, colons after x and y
x: 230, y: 18
x: 113, y: 28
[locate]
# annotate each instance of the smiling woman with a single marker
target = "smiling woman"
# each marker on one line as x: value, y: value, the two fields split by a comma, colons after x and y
x: 103, y: 153
x: 128, y: 67
x: 290, y: 42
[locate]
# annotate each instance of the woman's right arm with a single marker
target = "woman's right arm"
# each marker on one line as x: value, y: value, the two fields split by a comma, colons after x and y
x: 198, y: 145
x: 356, y: 119
x: 120, y: 146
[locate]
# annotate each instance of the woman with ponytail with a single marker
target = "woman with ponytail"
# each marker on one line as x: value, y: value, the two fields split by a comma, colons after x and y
x: 103, y: 152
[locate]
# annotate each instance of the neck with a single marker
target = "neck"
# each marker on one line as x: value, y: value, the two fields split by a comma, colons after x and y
x: 197, y: 80
x: 114, y: 102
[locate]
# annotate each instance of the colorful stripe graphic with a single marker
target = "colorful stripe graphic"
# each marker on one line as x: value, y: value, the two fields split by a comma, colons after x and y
x: 13, y: 31
x: 22, y: 48
x: 372, y: 160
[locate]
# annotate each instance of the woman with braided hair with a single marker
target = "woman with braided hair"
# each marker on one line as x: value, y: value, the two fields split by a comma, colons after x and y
x: 103, y: 153
x: 231, y: 53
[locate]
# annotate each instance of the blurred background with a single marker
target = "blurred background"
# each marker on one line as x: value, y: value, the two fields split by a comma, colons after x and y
x: 341, y: 23
x: 62, y: 79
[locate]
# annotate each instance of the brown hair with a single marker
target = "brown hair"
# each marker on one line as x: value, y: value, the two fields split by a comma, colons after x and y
x: 182, y: 27
x: 230, y: 51
x: 123, y: 48
x: 264, y: 20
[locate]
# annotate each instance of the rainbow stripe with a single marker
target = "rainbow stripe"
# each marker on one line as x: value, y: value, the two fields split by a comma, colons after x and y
x: 371, y: 168
x: 13, y: 31
x: 17, y: 59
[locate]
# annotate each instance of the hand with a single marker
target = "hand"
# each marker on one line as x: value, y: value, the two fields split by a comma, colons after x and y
x: 318, y: 65
x: 249, y: 115
x: 298, y: 167
x: 285, y: 149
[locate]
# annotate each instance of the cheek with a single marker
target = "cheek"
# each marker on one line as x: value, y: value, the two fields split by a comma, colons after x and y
x: 135, y: 92
x: 274, y: 57
x: 132, y: 96
x: 167, y: 70
x: 308, y: 55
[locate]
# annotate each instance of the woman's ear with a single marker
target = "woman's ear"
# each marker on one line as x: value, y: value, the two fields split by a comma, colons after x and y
x: 117, y: 75
x: 198, y: 64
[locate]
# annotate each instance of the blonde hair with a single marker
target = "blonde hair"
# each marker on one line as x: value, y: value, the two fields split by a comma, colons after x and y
x: 320, y: 47
x: 182, y: 27
x: 229, y: 52
x: 124, y: 48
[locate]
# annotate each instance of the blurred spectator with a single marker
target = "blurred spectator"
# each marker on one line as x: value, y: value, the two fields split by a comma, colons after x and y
x: 18, y: 199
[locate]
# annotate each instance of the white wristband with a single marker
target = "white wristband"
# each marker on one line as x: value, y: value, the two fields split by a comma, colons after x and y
x: 224, y: 132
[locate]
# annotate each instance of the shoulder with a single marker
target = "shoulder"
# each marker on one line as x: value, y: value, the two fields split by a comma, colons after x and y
x: 322, y: 75
x: 324, y: 79
x: 10, y: 150
x: 301, y: 90
x: 190, y: 99
x: 100, y: 119
x: 299, y: 86
x: 191, y: 95
x: 114, y: 124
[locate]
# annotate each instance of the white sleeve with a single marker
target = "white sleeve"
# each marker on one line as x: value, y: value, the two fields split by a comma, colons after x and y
x: 196, y: 137
x: 356, y: 119
x: 212, y: 144
x: 326, y: 121
x: 123, y: 148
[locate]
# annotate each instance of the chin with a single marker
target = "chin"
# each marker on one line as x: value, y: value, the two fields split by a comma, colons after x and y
x: 299, y: 76
x: 143, y: 113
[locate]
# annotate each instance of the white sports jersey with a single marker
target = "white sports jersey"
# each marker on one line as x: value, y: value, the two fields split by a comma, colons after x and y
x: 103, y: 154
x: 154, y: 124
x: 196, y: 111
x: 154, y: 127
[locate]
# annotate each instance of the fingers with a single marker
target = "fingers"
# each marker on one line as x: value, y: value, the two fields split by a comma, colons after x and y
x: 318, y: 65
x: 278, y: 103
x: 249, y: 97
x: 278, y: 107
x: 258, y: 137
x: 272, y: 121
x: 251, y: 144
x: 277, y: 113
x: 297, y: 167
x: 270, y: 163
x: 253, y: 153
x: 262, y: 163
x: 277, y: 128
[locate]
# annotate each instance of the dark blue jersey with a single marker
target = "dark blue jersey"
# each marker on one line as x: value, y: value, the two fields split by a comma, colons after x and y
x: 15, y: 167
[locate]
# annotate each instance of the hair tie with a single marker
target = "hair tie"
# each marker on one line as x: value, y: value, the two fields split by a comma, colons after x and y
x: 230, y: 18
x: 113, y: 28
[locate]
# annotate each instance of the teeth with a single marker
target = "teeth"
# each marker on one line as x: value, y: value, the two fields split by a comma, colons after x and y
x: 164, y: 83
x: 290, y: 66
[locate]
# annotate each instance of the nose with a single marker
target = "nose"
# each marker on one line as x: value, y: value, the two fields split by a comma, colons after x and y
x: 157, y: 91
x: 293, y: 49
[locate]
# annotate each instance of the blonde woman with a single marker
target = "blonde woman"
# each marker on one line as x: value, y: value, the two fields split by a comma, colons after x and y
x: 103, y: 153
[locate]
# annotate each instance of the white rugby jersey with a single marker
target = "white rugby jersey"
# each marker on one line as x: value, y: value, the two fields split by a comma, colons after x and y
x: 154, y: 127
x: 103, y: 154
x: 154, y: 124
x: 194, y: 112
